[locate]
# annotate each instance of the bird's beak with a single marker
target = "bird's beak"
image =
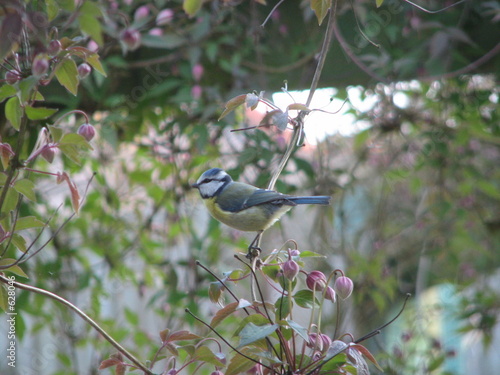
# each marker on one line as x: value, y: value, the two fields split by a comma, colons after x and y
x: 196, y: 186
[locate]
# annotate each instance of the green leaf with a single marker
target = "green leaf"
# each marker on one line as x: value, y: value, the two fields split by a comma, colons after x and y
x: 19, y: 242
x: 204, y: 354
x: 26, y: 87
x: 302, y: 331
x: 14, y: 269
x: 379, y: 3
x: 26, y: 187
x: 251, y: 333
x: 28, y: 222
x: 52, y: 9
x: 56, y: 133
x: 14, y: 112
x: 90, y: 25
x: 71, y: 144
x: 305, y: 298
x: 93, y: 60
x: 239, y: 365
x: 39, y: 113
x: 282, y: 307
x: 67, y: 75
x: 320, y: 8
x: 191, y: 7
x: 6, y: 91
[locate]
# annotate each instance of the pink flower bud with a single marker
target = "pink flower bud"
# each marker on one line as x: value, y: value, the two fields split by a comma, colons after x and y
x: 330, y: 294
x: 141, y: 13
x: 131, y: 38
x: 319, y: 341
x: 164, y: 17
x: 87, y: 131
x: 48, y: 152
x: 156, y: 31
x: 344, y: 286
x: 217, y: 372
x: 92, y: 46
x: 221, y: 357
x: 290, y: 269
x: 294, y: 253
x: 12, y: 76
x: 197, y: 72
x: 84, y: 70
x: 316, y: 280
x: 54, y: 47
x: 196, y: 92
x: 40, y: 66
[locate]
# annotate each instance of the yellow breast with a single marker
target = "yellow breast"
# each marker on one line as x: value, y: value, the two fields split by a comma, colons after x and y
x: 253, y: 219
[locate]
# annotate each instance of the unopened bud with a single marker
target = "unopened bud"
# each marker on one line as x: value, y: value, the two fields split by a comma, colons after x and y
x: 164, y: 17
x: 54, y: 47
x: 40, y: 66
x: 316, y: 280
x: 330, y: 294
x: 196, y: 92
x: 217, y: 372
x: 319, y: 341
x: 141, y: 13
x: 221, y: 357
x: 87, y: 131
x: 12, y: 76
x: 131, y: 38
x: 290, y: 269
x: 344, y: 286
x: 48, y: 152
x: 84, y: 70
x: 197, y: 72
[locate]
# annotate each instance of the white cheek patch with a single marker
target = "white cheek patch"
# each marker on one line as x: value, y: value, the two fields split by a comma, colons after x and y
x: 209, y: 189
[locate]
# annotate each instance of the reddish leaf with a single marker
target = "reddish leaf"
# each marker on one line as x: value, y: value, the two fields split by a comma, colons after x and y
x: 232, y: 104
x: 223, y: 313
x: 109, y: 363
x: 182, y: 335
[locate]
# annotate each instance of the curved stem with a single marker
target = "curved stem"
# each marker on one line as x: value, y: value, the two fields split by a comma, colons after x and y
x: 84, y: 316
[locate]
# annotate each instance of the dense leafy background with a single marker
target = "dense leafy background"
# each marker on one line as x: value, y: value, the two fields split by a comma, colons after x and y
x: 416, y: 195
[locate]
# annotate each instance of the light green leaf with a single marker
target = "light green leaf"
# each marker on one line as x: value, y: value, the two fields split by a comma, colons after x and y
x: 39, y: 113
x: 93, y: 60
x: 10, y: 201
x: 67, y: 75
x: 14, y: 269
x: 91, y: 26
x: 28, y: 222
x: 26, y: 187
x: 26, y: 87
x: 232, y: 104
x: 379, y: 3
x: 191, y: 7
x: 71, y: 144
x: 251, y: 333
x: 19, y: 242
x: 302, y: 331
x: 14, y: 112
x: 55, y: 132
x: 320, y: 8
x: 6, y: 91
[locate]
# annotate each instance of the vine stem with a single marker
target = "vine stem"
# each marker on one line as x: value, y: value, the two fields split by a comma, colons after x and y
x: 84, y: 316
x: 299, y: 121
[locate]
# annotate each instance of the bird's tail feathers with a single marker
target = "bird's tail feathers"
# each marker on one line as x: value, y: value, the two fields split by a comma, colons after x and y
x: 318, y: 199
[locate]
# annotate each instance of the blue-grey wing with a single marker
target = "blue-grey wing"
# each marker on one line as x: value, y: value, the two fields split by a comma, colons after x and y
x: 261, y: 196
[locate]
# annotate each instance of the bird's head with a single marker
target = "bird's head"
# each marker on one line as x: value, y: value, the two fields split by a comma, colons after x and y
x: 212, y: 182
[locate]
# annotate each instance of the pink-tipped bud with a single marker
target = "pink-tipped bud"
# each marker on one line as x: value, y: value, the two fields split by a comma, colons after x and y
x: 172, y: 371
x: 319, y: 341
x: 294, y: 253
x: 217, y: 372
x: 40, y: 66
x: 290, y: 269
x: 344, y: 286
x: 12, y: 76
x: 330, y: 294
x: 54, y: 47
x: 164, y: 17
x: 197, y: 72
x: 131, y: 38
x: 84, y: 70
x: 316, y: 280
x: 141, y: 13
x: 87, y: 131
x: 48, y: 152
x: 156, y: 31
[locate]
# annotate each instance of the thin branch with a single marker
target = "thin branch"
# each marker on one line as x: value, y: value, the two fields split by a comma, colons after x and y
x: 434, y: 11
x: 84, y: 316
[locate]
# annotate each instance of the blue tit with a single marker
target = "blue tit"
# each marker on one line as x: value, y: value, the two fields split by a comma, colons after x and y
x: 245, y: 207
